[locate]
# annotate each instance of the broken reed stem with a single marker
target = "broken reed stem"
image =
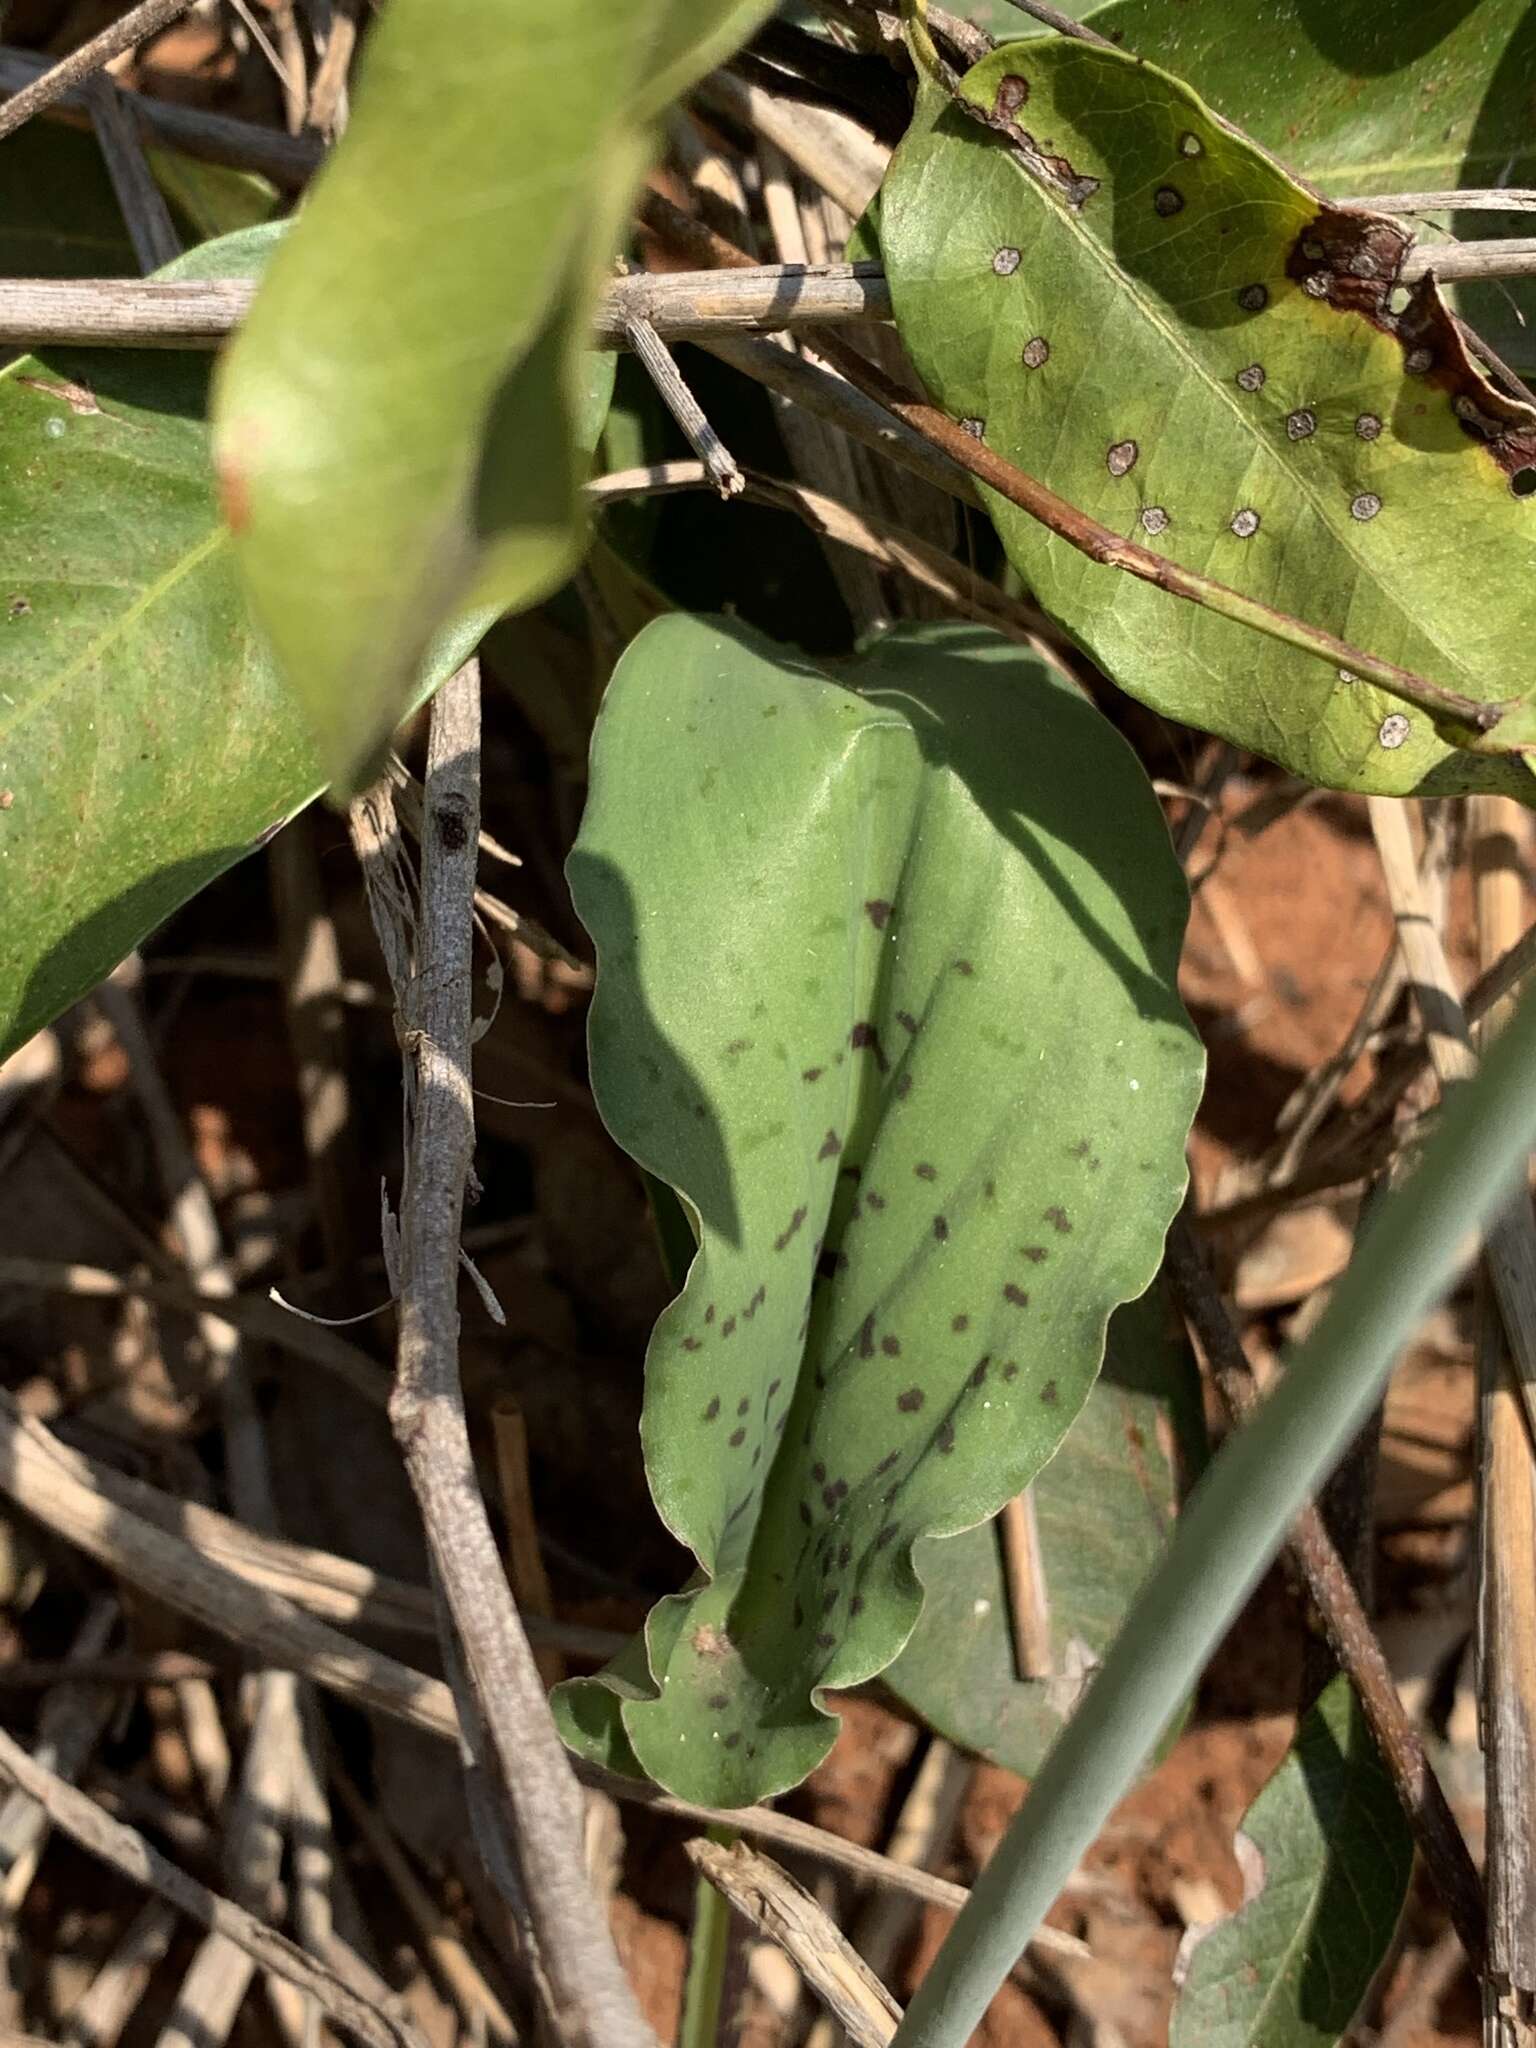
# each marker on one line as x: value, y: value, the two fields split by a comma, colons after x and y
x: 1348, y: 1628
x: 771, y: 1901
x: 1506, y: 1528
x: 1029, y: 1606
x: 529, y: 1776
x: 146, y: 19
x: 671, y: 388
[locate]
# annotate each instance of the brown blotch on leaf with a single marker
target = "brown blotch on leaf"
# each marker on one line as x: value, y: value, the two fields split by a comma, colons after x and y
x: 959, y: 1323
x: 790, y: 1229
x: 736, y: 1439
x: 865, y: 1037
x: 1035, y: 1253
x: 878, y: 912
x: 1049, y: 1394
x: 709, y: 1313
x: 964, y: 967
x: 813, y: 1073
x: 1037, y: 352
x: 911, y: 1400
x: 925, y: 1171
x: 744, y: 1405
x: 941, y: 1228
x: 713, y: 1409
x: 891, y: 1346
x: 1012, y: 92
x: 773, y: 1388
x: 1167, y: 200
x: 691, y: 1344
x: 1058, y: 1220
x: 1016, y: 1295
x: 831, y: 1145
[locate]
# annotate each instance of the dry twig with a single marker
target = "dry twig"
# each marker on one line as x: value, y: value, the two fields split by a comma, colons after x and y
x: 146, y: 19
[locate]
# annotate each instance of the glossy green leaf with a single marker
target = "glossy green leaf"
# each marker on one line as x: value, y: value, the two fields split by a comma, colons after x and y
x: 1103, y: 1508
x: 145, y: 739
x: 404, y: 424
x: 1326, y: 1863
x: 1362, y: 96
x: 886, y: 991
x: 1150, y: 315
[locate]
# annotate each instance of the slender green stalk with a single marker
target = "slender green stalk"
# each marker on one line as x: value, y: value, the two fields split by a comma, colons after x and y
x: 709, y: 1951
x: 1235, y: 1522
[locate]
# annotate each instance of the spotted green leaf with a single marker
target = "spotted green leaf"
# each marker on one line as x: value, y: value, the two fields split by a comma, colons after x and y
x: 1149, y: 314
x: 886, y: 991
x: 959, y: 1671
x: 404, y: 425
x: 1365, y: 98
x: 146, y: 741
x: 1326, y: 1855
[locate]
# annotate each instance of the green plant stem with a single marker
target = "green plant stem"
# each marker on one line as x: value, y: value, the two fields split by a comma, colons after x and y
x: 709, y: 1949
x: 1233, y: 1526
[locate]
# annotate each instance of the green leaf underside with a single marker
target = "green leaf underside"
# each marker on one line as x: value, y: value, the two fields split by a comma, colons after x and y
x: 1103, y: 1508
x: 145, y: 739
x: 406, y: 420
x: 1290, y: 1968
x: 1361, y: 97
x: 887, y: 992
x: 1150, y: 354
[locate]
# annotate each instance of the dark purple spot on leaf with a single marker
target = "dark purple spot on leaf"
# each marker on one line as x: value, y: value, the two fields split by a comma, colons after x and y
x: 959, y: 1323
x: 731, y: 1741
x: 736, y: 1439
x: 911, y: 1400
x: 813, y: 1073
x: 856, y: 1604
x: 964, y: 967
x: 878, y: 911
x: 690, y: 1344
x: 728, y: 1327
x: 891, y: 1458
x: 781, y: 1240
x: 744, y: 1405
x: 903, y: 1085
x: 719, y: 1701
x: 713, y: 1409
x: 885, y: 1535
x: 1010, y: 1370
x: 825, y: 1642
x: 1167, y: 200
x: 831, y: 1145
x: 865, y: 1037
x: 924, y: 1171
x: 907, y: 1021
x: 891, y: 1346
x: 1016, y: 1295
x: 979, y: 1370
x: 941, y: 1228
x: 867, y: 1337
x: 1058, y: 1220
x: 945, y: 1436
x: 1253, y: 298
x: 1048, y: 1394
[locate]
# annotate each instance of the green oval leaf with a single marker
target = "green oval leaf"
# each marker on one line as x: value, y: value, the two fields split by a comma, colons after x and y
x: 146, y: 741
x: 404, y: 424
x: 1144, y: 310
x: 887, y: 992
x: 1326, y: 1869
x: 1103, y: 1507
